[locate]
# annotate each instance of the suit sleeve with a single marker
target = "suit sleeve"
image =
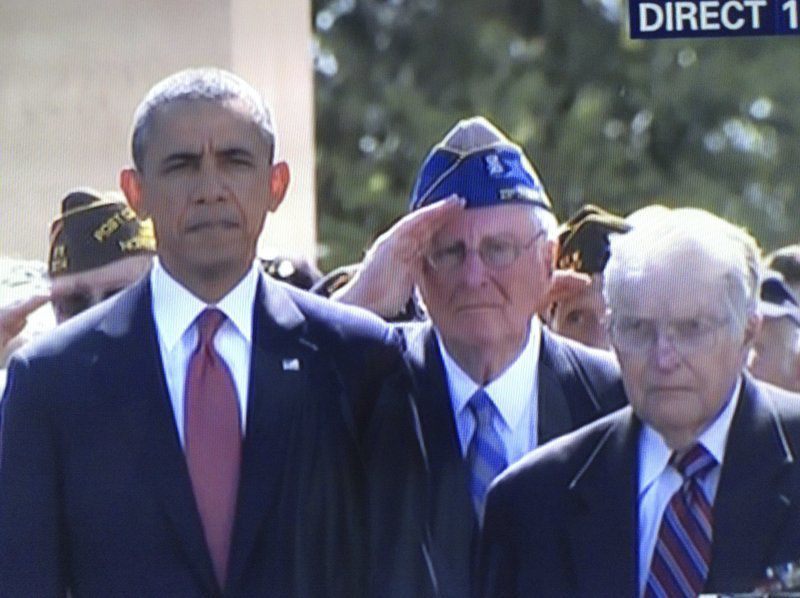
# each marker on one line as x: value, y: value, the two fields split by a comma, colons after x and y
x: 496, y: 575
x: 31, y: 529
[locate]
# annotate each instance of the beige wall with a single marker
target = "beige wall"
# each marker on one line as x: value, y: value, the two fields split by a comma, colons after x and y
x: 73, y: 71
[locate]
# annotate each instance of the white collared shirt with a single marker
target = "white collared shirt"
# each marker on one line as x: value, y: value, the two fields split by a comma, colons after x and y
x: 175, y: 310
x: 658, y: 481
x: 514, y: 393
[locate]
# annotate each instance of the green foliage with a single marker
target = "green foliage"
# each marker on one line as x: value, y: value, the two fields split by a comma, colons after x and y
x: 621, y: 123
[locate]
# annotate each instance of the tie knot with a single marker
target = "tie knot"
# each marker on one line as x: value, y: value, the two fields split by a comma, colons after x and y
x: 696, y: 462
x: 481, y: 406
x: 208, y: 324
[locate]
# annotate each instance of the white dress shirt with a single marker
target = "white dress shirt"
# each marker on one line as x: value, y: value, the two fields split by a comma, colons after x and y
x: 175, y: 310
x: 658, y: 481
x: 514, y: 394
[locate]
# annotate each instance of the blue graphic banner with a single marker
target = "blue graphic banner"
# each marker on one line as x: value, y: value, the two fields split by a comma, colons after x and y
x: 651, y: 19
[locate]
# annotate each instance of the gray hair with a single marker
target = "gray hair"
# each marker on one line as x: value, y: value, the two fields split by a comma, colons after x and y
x: 207, y: 83
x: 656, y: 239
x: 476, y: 133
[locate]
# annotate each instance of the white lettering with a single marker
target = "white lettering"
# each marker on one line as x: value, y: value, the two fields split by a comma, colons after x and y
x: 726, y: 16
x: 790, y: 6
x: 755, y: 6
x: 685, y: 11
x: 644, y: 24
x: 709, y: 17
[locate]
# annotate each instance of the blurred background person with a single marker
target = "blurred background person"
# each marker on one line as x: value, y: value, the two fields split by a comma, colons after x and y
x: 297, y: 271
x: 775, y: 356
x: 24, y: 290
x: 583, y: 247
x: 98, y: 246
x: 786, y: 261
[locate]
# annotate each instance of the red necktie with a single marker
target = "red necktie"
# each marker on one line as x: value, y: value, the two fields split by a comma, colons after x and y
x: 213, y: 440
x: 683, y: 550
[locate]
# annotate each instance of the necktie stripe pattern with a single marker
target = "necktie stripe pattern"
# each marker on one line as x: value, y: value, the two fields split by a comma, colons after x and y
x: 213, y: 440
x: 486, y: 455
x: 683, y: 550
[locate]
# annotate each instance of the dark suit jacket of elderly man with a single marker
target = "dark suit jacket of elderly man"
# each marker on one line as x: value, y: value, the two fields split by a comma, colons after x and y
x: 576, y: 385
x: 95, y: 494
x: 564, y: 521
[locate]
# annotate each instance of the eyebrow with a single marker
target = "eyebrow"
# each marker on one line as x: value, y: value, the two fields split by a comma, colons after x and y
x: 193, y: 158
x: 181, y: 157
x: 235, y: 152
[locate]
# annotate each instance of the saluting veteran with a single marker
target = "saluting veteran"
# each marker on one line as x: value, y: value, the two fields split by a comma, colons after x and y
x: 491, y: 383
x: 695, y: 486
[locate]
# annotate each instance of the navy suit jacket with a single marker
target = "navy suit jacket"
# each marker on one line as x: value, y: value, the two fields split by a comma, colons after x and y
x: 576, y: 385
x: 564, y: 520
x: 95, y: 496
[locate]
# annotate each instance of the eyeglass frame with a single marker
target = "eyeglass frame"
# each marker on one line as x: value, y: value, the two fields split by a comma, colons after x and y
x: 682, y: 342
x: 517, y: 249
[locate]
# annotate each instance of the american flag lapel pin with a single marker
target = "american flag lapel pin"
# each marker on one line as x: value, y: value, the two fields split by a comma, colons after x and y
x: 291, y: 364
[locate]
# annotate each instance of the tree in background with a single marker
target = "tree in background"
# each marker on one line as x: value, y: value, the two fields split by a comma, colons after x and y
x: 713, y: 123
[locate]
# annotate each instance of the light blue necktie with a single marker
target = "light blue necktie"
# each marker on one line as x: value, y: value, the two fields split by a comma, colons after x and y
x: 486, y: 455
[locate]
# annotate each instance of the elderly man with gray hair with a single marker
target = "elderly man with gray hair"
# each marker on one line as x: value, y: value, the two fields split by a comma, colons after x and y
x: 693, y: 487
x: 490, y: 383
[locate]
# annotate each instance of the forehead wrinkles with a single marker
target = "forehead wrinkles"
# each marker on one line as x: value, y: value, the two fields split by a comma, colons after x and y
x: 472, y: 225
x: 200, y: 125
x: 671, y: 292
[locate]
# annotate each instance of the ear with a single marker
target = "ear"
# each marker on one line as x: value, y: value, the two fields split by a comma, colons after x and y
x: 752, y: 328
x: 130, y: 181
x: 278, y: 183
x: 549, y: 256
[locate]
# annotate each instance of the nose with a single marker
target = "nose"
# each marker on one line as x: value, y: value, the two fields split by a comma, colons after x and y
x: 474, y: 269
x: 666, y: 355
x: 208, y: 186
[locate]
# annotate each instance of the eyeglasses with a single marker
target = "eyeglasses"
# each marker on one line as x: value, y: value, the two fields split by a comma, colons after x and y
x: 687, y: 335
x: 495, y: 253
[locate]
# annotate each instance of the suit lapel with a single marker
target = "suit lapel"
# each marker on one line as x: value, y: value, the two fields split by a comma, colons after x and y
x: 278, y: 379
x: 452, y: 517
x: 601, y: 521
x: 553, y: 407
x: 133, y: 363
x: 752, y: 500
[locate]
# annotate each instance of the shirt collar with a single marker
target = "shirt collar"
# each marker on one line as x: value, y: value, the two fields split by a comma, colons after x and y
x: 175, y: 308
x: 518, y: 380
x: 655, y: 454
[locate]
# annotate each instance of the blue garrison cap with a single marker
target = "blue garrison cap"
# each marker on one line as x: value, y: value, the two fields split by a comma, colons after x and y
x: 477, y: 162
x: 777, y: 300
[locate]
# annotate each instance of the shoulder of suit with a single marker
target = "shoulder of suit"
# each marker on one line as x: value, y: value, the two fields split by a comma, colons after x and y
x: 786, y: 403
x: 563, y: 456
x: 77, y: 333
x: 580, y: 352
x: 358, y: 332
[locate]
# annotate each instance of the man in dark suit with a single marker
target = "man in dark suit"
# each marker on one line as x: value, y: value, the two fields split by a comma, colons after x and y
x: 196, y: 435
x: 694, y: 486
x: 489, y: 383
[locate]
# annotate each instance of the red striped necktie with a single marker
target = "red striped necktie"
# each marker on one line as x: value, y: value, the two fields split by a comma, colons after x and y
x: 213, y: 440
x: 682, y: 553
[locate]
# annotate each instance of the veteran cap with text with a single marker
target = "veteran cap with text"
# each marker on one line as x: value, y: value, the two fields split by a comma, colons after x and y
x: 583, y: 239
x: 478, y: 162
x: 95, y: 229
